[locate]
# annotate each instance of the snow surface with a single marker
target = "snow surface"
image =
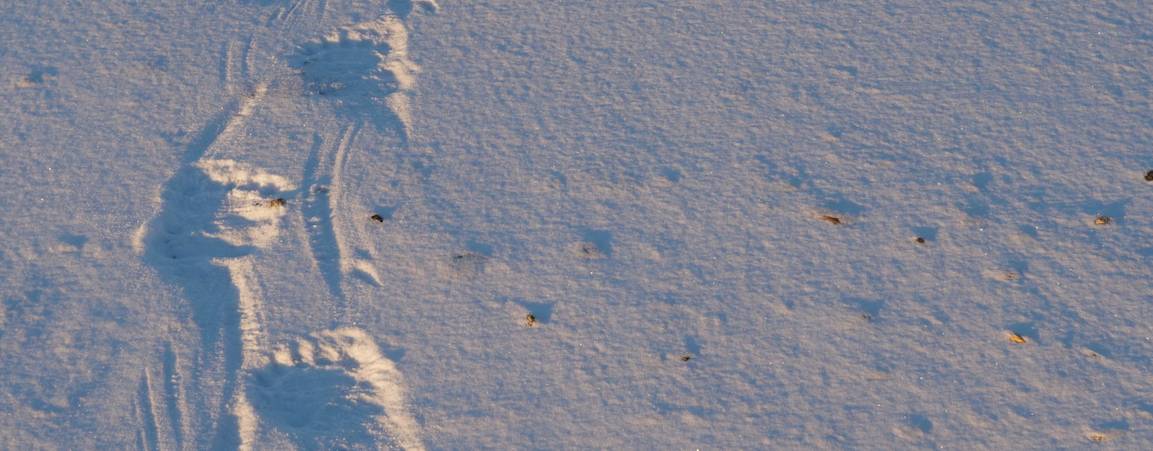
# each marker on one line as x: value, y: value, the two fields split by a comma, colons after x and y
x: 709, y: 208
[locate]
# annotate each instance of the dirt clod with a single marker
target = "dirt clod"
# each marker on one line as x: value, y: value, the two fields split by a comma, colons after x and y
x: 831, y: 219
x: 377, y: 218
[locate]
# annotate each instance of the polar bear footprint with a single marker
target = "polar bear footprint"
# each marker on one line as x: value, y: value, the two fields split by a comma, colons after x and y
x: 335, y: 389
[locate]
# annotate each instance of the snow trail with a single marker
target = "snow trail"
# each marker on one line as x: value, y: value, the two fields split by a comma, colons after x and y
x: 216, y: 215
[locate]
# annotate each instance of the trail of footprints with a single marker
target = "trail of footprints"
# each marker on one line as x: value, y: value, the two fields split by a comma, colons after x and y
x: 332, y: 389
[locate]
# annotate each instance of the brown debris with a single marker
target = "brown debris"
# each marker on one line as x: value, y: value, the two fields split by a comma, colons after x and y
x: 830, y: 219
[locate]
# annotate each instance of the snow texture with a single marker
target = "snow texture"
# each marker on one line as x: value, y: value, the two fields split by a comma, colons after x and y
x: 406, y: 224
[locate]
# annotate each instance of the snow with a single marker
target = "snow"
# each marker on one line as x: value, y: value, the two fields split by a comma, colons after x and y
x: 188, y: 258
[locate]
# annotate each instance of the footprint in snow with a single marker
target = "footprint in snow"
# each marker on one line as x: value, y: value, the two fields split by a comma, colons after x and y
x: 335, y: 389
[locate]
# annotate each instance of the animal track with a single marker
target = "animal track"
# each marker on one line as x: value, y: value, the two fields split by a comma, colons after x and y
x: 335, y: 389
x: 213, y: 219
x: 363, y: 67
x: 216, y: 215
x: 322, y: 172
x: 404, y: 8
x: 216, y: 208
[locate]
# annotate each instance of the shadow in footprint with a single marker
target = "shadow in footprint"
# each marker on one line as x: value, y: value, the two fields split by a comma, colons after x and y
x: 38, y: 76
x: 480, y: 248
x: 334, y: 390
x: 353, y: 74
x: 692, y: 345
x: 839, y: 204
x: 180, y: 246
x: 541, y: 311
x: 1026, y: 329
x: 72, y: 239
x: 596, y: 244
x: 405, y: 8
x: 319, y: 408
x: 928, y: 233
x: 212, y: 212
x: 975, y: 207
x: 869, y: 308
x: 920, y: 422
x: 1115, y: 210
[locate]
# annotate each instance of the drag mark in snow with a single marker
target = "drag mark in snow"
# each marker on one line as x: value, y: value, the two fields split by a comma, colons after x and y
x: 242, y: 110
x: 149, y: 437
x: 252, y: 343
x: 337, y: 192
x: 316, y: 214
x: 223, y: 125
x: 292, y: 9
x: 173, y: 398
x: 228, y: 70
x: 247, y: 422
x: 226, y: 67
x: 212, y: 131
x: 323, y: 173
x: 249, y: 54
x: 349, y: 263
x: 243, y: 275
x: 335, y: 388
x: 282, y: 16
x: 141, y: 440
